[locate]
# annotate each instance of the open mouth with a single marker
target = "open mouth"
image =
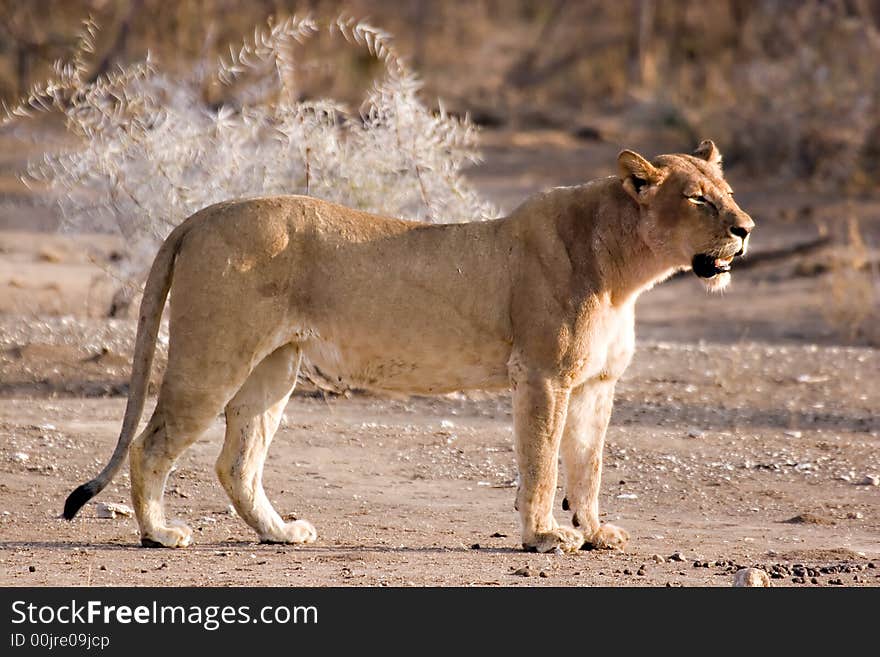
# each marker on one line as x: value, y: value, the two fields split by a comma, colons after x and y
x: 707, y: 266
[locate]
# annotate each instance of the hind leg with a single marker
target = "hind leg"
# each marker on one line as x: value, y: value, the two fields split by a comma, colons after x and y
x: 152, y: 456
x: 252, y: 417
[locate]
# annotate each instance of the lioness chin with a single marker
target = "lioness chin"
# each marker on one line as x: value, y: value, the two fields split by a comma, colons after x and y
x: 540, y: 301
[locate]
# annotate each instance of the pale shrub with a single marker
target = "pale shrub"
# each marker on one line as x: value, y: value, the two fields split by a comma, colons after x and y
x: 149, y: 151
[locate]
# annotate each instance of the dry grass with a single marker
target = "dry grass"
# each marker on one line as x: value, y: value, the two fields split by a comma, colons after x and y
x: 853, y: 290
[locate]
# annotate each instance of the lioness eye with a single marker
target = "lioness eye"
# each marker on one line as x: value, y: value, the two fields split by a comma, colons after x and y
x: 702, y: 200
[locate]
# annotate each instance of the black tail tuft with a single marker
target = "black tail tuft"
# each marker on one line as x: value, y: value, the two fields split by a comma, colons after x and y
x: 78, y: 498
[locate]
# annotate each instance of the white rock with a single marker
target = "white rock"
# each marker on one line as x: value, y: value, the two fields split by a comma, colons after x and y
x: 870, y: 480
x: 113, y: 510
x: 446, y: 424
x: 751, y: 577
x: 21, y: 457
x: 627, y: 496
x: 809, y: 378
x: 793, y: 434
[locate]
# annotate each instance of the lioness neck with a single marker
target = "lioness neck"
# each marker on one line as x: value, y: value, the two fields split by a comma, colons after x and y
x: 600, y: 226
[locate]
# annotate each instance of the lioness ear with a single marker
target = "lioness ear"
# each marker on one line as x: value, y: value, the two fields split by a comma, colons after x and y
x: 709, y: 152
x: 637, y: 174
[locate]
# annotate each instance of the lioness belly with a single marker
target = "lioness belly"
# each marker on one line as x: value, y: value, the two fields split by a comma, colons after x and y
x: 360, y: 362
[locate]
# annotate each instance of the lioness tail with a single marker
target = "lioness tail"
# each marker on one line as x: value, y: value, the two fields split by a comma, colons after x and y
x: 150, y: 316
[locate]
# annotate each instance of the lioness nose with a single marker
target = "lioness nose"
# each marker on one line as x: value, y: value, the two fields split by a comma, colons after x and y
x: 741, y: 231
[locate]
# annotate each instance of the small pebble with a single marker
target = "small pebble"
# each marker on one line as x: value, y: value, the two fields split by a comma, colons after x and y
x: 627, y: 571
x: 21, y: 457
x: 658, y: 558
x: 113, y: 510
x: 525, y: 571
x: 543, y: 574
x: 475, y: 546
x: 32, y: 569
x: 675, y: 556
x: 870, y: 480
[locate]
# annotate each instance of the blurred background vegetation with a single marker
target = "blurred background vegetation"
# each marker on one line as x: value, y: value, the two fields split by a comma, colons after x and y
x: 789, y: 87
x: 789, y: 90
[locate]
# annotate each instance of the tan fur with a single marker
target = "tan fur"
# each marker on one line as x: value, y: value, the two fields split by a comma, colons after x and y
x: 541, y: 301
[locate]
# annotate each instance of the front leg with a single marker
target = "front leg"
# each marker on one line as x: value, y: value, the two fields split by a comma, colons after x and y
x: 589, y: 411
x: 539, y: 409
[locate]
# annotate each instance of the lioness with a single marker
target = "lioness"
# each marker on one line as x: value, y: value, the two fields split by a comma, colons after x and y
x: 541, y: 301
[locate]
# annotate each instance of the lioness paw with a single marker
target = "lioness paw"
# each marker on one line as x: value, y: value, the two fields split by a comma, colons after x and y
x: 607, y: 537
x: 564, y: 538
x: 298, y: 531
x: 175, y: 535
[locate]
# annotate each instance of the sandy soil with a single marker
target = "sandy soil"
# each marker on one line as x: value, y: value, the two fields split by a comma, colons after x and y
x: 741, y: 436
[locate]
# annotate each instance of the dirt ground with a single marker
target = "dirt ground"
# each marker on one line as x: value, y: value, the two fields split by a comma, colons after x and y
x: 745, y: 434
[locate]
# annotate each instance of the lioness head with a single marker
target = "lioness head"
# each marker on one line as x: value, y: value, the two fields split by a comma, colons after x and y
x: 688, y: 214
